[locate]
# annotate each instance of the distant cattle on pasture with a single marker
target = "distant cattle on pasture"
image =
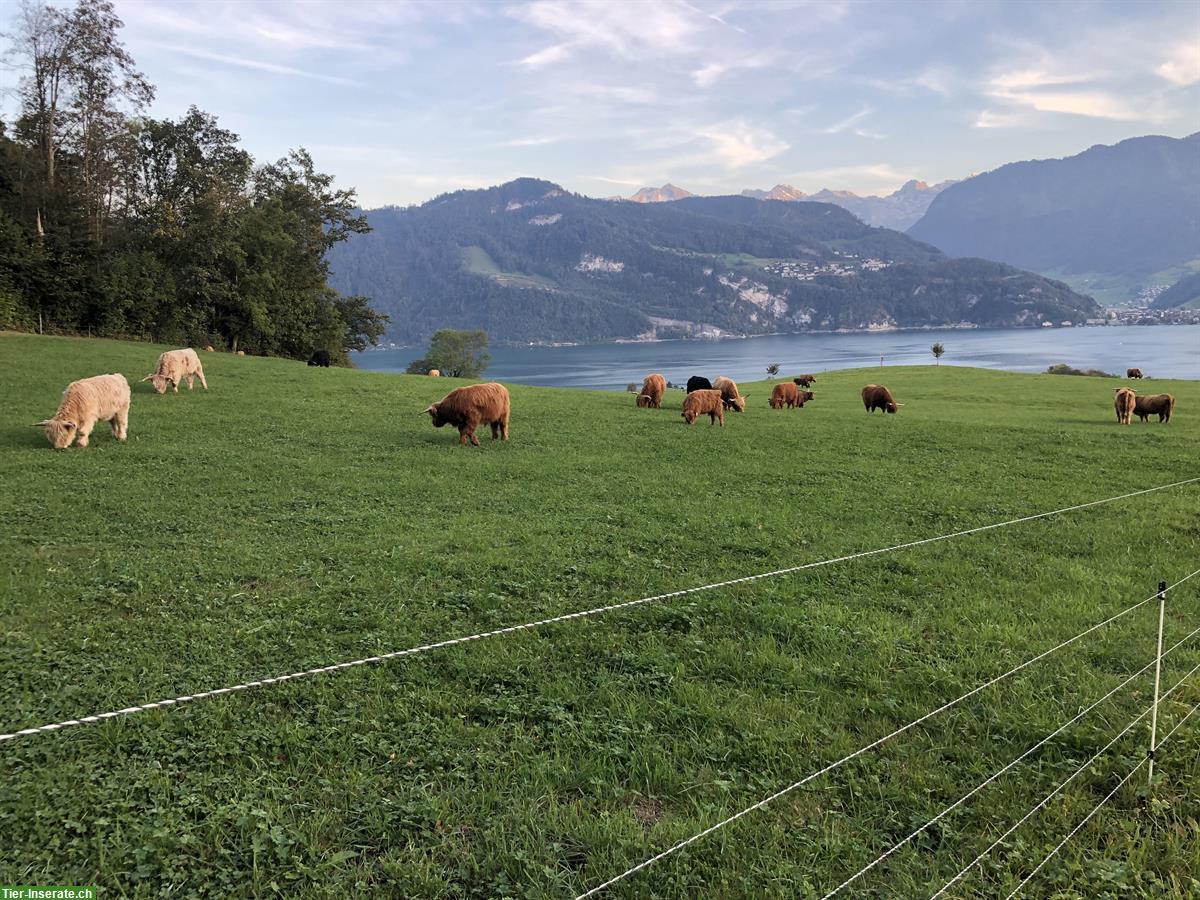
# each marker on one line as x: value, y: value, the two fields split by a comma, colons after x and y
x: 468, y: 407
x: 174, y: 366
x: 1134, y: 373
x: 804, y: 380
x: 319, y: 358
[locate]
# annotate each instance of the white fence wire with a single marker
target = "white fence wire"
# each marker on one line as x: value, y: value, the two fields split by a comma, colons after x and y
x: 868, y: 747
x: 581, y: 614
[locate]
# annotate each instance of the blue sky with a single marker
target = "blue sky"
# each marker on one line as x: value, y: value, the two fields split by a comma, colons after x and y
x: 404, y: 100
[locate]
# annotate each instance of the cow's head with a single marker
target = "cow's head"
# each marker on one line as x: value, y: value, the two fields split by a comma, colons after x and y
x: 892, y: 406
x: 737, y: 404
x: 59, y: 432
x: 689, y: 416
x: 436, y: 415
x: 643, y: 401
x: 160, y: 382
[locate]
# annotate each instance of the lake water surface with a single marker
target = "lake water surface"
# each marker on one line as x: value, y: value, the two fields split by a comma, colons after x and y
x: 1164, y: 351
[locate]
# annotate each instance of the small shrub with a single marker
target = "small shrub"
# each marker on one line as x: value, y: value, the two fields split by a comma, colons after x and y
x: 1064, y: 369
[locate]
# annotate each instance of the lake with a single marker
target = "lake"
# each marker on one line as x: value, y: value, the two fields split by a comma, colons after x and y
x: 1164, y: 351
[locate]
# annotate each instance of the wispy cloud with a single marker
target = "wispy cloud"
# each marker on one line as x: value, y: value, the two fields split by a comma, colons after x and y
x: 260, y: 65
x: 1182, y: 65
x: 622, y: 29
x: 737, y: 143
x: 847, y: 123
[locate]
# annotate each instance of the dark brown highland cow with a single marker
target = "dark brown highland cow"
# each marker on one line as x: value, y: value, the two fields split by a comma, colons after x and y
x: 1161, y: 405
x: 876, y: 396
x: 467, y: 407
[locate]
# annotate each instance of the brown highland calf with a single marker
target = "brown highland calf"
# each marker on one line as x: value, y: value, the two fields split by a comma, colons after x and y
x: 652, y: 392
x: 1134, y: 373
x: 467, y: 407
x: 699, y: 403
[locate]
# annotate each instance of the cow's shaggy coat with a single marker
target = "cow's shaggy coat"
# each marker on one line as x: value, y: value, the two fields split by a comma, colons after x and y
x: 729, y: 394
x: 652, y: 392
x: 698, y: 383
x: 174, y: 366
x: 699, y: 403
x: 467, y: 407
x: 876, y: 396
x: 1161, y: 405
x: 1124, y: 400
x: 787, y: 394
x: 102, y: 398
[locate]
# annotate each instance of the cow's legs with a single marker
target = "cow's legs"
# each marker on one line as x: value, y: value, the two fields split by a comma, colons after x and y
x: 495, y: 430
x: 82, y: 435
x: 200, y: 375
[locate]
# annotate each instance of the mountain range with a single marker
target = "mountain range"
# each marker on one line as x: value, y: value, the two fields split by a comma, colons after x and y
x: 1131, y: 209
x: 897, y: 210
x: 530, y: 262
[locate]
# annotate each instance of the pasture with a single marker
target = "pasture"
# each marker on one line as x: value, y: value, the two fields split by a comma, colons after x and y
x: 294, y: 517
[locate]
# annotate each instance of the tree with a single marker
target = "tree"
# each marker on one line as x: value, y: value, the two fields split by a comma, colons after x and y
x: 938, y: 350
x: 773, y: 370
x: 456, y: 354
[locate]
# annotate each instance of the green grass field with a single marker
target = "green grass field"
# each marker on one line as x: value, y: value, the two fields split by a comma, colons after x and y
x: 292, y: 517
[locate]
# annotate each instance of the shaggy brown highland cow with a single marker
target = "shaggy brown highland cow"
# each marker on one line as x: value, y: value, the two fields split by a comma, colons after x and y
x: 102, y: 398
x: 699, y: 403
x: 876, y: 396
x: 652, y: 392
x: 729, y: 394
x: 467, y: 407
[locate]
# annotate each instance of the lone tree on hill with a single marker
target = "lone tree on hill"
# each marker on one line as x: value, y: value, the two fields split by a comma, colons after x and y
x: 938, y: 350
x: 456, y: 354
x: 773, y: 370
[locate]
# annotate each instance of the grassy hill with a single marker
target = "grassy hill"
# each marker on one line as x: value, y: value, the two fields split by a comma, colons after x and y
x: 294, y: 517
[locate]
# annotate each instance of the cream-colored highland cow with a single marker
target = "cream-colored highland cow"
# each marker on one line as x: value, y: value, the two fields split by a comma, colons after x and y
x: 174, y: 366
x: 102, y: 398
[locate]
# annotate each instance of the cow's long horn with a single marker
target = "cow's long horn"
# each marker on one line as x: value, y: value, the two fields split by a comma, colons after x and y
x: 41, y: 424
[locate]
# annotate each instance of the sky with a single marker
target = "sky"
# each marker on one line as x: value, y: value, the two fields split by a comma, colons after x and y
x: 406, y: 99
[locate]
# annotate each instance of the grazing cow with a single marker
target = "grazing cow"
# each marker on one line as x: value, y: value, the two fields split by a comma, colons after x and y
x: 1124, y: 400
x: 787, y: 394
x: 435, y: 373
x: 699, y: 403
x: 876, y: 396
x: 175, y: 365
x: 729, y: 394
x: 652, y: 392
x: 319, y: 358
x: 102, y: 398
x: 804, y: 380
x: 1161, y: 405
x: 698, y: 383
x: 1134, y: 373
x: 241, y: 353
x: 208, y: 348
x: 467, y: 407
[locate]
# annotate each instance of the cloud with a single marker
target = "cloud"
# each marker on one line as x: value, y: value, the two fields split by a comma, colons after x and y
x: 710, y: 73
x: 1049, y: 90
x: 1182, y: 66
x: 737, y: 143
x: 623, y: 29
x: 260, y: 65
x: 848, y: 122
